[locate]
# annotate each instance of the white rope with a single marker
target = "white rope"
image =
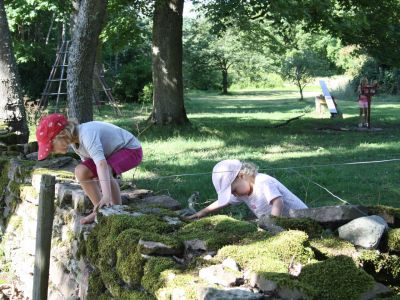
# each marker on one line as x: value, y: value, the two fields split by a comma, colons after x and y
x: 263, y: 169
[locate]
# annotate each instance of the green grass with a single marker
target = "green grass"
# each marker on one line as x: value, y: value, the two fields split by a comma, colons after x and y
x: 239, y: 126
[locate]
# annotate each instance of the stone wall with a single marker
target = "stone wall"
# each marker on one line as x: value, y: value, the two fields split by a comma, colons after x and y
x: 19, y: 226
x: 145, y: 250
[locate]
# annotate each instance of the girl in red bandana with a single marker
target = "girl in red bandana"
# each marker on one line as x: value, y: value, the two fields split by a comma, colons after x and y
x: 105, y: 150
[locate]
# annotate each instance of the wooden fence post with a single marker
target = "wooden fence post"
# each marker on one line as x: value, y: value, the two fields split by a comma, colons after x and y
x: 43, y: 237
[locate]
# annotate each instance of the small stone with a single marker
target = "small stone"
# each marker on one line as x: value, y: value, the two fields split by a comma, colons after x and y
x: 156, y: 248
x: 172, y: 220
x: 227, y: 294
x: 217, y: 274
x: 262, y: 283
x: 231, y: 264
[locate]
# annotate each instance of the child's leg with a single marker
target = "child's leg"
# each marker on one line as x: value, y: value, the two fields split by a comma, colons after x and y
x: 90, y: 187
x: 365, y: 114
x: 361, y: 116
x: 115, y: 192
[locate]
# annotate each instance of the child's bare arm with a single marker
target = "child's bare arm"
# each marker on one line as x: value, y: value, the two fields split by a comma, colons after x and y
x: 277, y: 206
x: 105, y: 183
x: 205, y: 211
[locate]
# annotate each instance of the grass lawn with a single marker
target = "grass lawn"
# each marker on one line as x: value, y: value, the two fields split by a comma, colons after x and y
x: 240, y: 126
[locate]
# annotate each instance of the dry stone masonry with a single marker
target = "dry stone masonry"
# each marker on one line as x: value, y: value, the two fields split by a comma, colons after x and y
x: 144, y: 249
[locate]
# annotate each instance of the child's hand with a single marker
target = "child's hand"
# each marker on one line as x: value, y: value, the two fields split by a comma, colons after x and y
x: 197, y: 215
x: 105, y: 201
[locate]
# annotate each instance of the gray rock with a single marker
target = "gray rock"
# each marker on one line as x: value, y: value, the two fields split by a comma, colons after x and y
x: 267, y: 223
x: 331, y: 216
x: 365, y: 231
x: 185, y: 212
x: 54, y: 163
x: 227, y: 294
x: 130, y: 196
x: 217, y: 274
x: 195, y: 245
x: 161, y: 201
x: 172, y: 220
x: 231, y: 264
x: 262, y: 283
x: 377, y: 290
x: 290, y: 293
x: 80, y: 202
x: 64, y: 193
x: 32, y: 156
x: 117, y: 210
x: 157, y: 248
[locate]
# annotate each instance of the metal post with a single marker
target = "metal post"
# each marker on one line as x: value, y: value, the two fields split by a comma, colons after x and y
x: 43, y: 237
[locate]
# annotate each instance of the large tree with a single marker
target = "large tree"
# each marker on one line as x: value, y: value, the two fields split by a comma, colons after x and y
x: 372, y: 26
x: 168, y: 103
x: 82, y: 56
x: 12, y: 111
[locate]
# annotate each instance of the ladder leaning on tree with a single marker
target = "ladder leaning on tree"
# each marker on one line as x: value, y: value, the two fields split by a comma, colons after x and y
x: 60, y: 68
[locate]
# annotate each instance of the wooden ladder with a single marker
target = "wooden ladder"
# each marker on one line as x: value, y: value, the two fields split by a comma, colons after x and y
x: 60, y: 68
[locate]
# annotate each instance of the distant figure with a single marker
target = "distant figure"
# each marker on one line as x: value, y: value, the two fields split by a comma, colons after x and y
x: 363, y: 102
x: 239, y: 182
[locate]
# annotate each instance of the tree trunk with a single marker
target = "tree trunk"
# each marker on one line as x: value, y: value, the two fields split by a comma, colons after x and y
x: 168, y: 104
x: 301, y: 91
x: 224, y: 82
x: 82, y: 55
x: 12, y: 110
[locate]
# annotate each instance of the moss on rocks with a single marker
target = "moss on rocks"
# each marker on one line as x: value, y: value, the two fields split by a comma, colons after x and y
x: 184, y: 285
x: 112, y: 247
x: 271, y: 254
x: 95, y: 287
x: 129, y: 262
x: 311, y: 227
x: 393, y: 240
x: 332, y: 246
x: 135, y: 295
x: 287, y: 281
x: 217, y: 231
x: 147, y: 223
x: 383, y: 267
x: 383, y: 210
x: 172, y: 241
x: 336, y: 278
x: 59, y: 174
x: 154, y: 276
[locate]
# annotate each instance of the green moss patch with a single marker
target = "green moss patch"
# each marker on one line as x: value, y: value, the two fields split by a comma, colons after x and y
x: 186, y: 284
x: 95, y: 287
x: 168, y: 240
x: 383, y: 267
x: 59, y: 174
x: 336, y: 278
x: 332, y: 246
x: 386, y: 211
x: 154, y: 275
x: 271, y: 254
x: 311, y: 227
x: 217, y: 231
x: 393, y: 240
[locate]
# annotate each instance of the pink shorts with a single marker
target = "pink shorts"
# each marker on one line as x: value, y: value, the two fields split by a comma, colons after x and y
x: 362, y: 104
x: 120, y: 161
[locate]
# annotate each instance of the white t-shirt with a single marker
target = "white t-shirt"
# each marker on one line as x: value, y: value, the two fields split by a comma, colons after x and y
x: 265, y: 189
x: 98, y: 140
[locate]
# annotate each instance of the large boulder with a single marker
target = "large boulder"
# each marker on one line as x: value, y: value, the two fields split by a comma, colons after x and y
x: 365, y: 232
